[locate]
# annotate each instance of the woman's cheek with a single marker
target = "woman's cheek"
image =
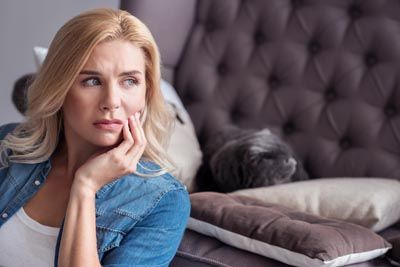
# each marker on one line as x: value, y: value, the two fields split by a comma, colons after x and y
x: 134, y: 106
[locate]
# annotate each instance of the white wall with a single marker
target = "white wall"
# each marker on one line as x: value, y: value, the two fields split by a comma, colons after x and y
x: 23, y: 25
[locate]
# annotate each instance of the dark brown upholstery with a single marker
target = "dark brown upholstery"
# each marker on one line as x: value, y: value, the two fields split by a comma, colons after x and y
x: 323, y: 74
x: 211, y: 252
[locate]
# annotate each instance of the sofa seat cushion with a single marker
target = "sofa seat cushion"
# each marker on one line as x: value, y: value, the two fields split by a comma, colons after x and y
x: 283, y: 234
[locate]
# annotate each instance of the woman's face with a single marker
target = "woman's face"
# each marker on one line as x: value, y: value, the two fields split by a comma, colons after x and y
x: 111, y: 86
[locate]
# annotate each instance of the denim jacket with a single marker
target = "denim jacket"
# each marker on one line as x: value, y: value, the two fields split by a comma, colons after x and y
x: 140, y: 221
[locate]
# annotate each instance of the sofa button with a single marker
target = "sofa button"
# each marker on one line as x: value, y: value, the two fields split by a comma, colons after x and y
x: 274, y: 81
x: 355, y: 12
x: 314, y: 47
x: 390, y: 110
x: 330, y: 94
x: 210, y: 26
x: 371, y: 59
x: 222, y: 69
x: 297, y: 3
x: 345, y: 143
x: 4, y: 215
x: 288, y: 128
x: 259, y: 38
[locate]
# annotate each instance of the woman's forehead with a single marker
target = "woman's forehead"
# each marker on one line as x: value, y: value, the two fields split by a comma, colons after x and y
x: 116, y: 56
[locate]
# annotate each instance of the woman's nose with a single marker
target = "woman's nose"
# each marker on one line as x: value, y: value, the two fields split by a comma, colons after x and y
x: 111, y: 99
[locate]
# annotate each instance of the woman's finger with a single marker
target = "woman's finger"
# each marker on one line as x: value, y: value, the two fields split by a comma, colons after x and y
x: 143, y: 139
x: 134, y: 127
x: 127, y: 141
x: 142, y: 131
x: 138, y: 139
x: 135, y: 152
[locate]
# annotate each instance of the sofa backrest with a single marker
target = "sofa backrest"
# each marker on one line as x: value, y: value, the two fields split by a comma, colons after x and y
x: 324, y: 75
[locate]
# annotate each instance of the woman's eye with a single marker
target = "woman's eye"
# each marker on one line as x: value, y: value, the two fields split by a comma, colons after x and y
x: 91, y: 82
x: 130, y: 82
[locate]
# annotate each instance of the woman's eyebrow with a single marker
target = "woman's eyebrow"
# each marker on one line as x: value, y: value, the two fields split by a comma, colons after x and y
x: 90, y: 72
x: 125, y: 73
x: 130, y: 73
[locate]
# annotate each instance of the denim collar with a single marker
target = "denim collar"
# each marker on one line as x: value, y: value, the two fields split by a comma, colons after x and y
x: 143, y: 167
x: 46, y: 167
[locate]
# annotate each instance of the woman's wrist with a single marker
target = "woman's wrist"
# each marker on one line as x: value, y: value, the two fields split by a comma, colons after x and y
x: 82, y: 187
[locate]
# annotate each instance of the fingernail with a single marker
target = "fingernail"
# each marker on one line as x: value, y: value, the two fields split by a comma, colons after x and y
x: 137, y: 115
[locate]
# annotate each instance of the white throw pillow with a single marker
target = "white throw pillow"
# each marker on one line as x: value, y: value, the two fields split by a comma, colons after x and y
x: 39, y: 55
x: 369, y: 202
x: 184, y: 148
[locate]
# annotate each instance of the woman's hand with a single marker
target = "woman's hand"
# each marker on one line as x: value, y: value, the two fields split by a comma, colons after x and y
x: 105, y: 167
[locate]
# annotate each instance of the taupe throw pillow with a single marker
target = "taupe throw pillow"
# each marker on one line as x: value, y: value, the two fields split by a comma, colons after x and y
x: 280, y: 233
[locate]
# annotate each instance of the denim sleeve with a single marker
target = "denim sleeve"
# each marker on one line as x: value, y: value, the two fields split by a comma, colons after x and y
x: 154, y: 240
x: 6, y: 128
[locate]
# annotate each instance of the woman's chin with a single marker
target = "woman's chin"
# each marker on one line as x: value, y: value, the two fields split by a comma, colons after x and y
x: 108, y: 141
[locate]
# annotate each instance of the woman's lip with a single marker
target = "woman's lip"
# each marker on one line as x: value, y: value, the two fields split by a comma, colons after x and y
x: 108, y: 126
x: 109, y: 121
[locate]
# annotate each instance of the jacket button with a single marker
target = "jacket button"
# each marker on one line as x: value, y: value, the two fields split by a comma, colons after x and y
x: 4, y: 215
x: 37, y: 182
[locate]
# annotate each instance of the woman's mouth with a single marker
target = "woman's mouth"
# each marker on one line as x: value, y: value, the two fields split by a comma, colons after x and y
x: 108, y: 125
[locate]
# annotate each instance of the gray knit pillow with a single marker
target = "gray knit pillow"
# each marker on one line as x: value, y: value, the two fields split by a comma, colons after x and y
x: 243, y: 158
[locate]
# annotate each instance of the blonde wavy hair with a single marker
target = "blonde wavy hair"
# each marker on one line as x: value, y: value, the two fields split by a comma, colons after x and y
x: 37, y: 137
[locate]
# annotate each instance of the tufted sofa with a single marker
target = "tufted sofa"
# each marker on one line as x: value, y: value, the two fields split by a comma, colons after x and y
x: 322, y: 74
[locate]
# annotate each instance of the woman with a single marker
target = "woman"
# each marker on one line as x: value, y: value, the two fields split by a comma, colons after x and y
x: 86, y: 175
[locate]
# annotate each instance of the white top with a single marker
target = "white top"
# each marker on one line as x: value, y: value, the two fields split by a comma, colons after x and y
x: 25, y: 242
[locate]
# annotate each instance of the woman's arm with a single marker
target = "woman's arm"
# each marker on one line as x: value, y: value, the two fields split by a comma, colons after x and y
x: 78, y: 244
